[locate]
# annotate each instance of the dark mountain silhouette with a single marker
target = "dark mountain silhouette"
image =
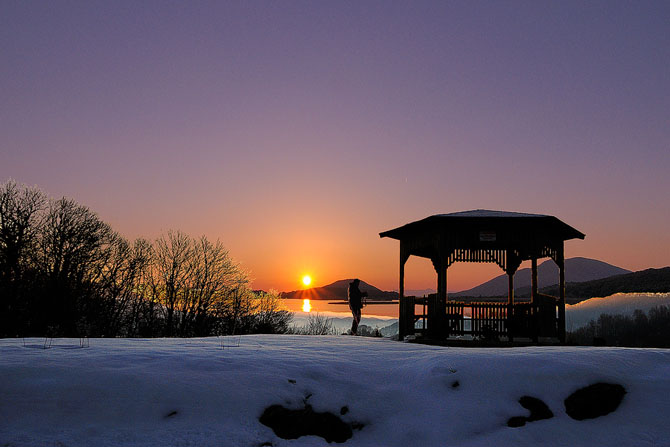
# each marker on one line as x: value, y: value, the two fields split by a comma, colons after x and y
x: 338, y: 291
x: 576, y: 270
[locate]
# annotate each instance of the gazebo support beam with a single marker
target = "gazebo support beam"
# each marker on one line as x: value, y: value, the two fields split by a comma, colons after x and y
x: 406, y: 305
x: 560, y: 255
x: 437, y: 305
x: 441, y: 308
x: 534, y: 304
x: 401, y: 274
x: 510, y: 305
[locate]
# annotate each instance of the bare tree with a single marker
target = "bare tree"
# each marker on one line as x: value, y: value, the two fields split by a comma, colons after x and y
x: 194, y: 281
x: 118, y: 284
x: 73, y: 244
x: 271, y: 317
x: 172, y: 274
x: 238, y: 306
x: 20, y: 208
x: 19, y: 215
x: 214, y: 274
x: 141, y: 314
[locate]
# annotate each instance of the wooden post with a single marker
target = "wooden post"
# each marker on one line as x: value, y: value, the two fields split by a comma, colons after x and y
x: 437, y: 308
x: 446, y: 294
x: 510, y: 306
x: 442, y: 330
x: 406, y: 317
x: 442, y: 284
x: 401, y: 286
x: 561, y: 292
x: 403, y: 312
x: 444, y: 305
x: 534, y: 305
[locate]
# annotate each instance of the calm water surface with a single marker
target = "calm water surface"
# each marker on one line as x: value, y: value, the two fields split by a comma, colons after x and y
x: 385, y: 310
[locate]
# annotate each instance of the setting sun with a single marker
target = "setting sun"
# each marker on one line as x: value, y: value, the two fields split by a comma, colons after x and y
x: 306, y: 280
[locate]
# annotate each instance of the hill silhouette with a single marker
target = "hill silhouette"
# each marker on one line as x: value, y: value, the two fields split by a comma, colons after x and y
x: 643, y: 281
x: 338, y: 291
x: 577, y: 270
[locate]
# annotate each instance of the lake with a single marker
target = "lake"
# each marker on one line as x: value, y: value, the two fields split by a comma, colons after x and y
x: 374, y: 315
x: 340, y: 307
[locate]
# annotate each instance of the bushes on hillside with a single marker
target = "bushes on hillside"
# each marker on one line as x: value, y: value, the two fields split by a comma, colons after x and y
x: 640, y: 330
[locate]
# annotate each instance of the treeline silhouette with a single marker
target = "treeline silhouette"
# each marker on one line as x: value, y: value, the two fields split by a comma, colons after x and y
x: 650, y: 330
x: 65, y: 272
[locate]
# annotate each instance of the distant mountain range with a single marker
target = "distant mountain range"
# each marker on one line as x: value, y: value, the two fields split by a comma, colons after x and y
x: 644, y: 281
x: 585, y: 278
x: 576, y: 270
x: 338, y: 291
x: 419, y: 292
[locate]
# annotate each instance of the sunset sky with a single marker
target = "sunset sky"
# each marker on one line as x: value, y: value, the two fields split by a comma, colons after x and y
x: 295, y: 132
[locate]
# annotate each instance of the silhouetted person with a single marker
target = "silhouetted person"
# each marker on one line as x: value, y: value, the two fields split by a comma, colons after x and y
x: 355, y: 303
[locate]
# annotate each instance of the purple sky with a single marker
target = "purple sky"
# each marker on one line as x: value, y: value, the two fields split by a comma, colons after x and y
x: 296, y: 131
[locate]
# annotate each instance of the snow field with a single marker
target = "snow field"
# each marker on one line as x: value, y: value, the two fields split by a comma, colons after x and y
x: 120, y: 392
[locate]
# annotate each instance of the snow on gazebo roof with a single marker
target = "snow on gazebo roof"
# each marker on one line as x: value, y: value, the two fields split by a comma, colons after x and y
x: 490, y: 213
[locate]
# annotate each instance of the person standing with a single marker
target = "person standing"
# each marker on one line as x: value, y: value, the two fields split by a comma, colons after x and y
x: 355, y: 297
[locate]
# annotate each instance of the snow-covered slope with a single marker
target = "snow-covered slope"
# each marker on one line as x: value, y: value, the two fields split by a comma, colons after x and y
x: 580, y: 314
x: 176, y: 392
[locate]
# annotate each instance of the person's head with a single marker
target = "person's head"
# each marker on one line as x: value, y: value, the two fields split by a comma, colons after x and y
x: 356, y: 281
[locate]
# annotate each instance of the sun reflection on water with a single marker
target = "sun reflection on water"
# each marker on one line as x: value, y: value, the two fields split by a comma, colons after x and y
x: 306, y: 306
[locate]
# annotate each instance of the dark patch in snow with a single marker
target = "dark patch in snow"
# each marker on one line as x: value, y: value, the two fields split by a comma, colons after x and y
x: 538, y: 411
x: 292, y: 424
x: 171, y: 414
x: 291, y: 381
x: 307, y: 396
x: 357, y: 426
x: 594, y: 401
x: 344, y: 410
x: 516, y: 421
x: 455, y: 384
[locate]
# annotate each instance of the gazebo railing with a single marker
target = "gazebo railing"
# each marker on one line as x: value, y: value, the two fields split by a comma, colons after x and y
x: 478, y: 319
x: 488, y: 319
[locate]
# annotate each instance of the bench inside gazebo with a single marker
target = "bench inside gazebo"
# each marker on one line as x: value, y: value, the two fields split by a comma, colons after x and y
x: 500, y: 237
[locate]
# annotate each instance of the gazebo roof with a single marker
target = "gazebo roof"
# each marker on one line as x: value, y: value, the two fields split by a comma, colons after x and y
x: 528, y: 234
x: 490, y: 219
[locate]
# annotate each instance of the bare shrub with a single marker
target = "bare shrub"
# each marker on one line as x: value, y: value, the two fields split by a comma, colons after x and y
x: 317, y: 324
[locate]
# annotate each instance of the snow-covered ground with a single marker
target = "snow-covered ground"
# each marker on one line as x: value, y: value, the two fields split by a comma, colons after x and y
x: 193, y: 392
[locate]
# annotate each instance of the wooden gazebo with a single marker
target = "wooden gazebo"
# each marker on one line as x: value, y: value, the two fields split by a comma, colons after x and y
x: 502, y: 237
